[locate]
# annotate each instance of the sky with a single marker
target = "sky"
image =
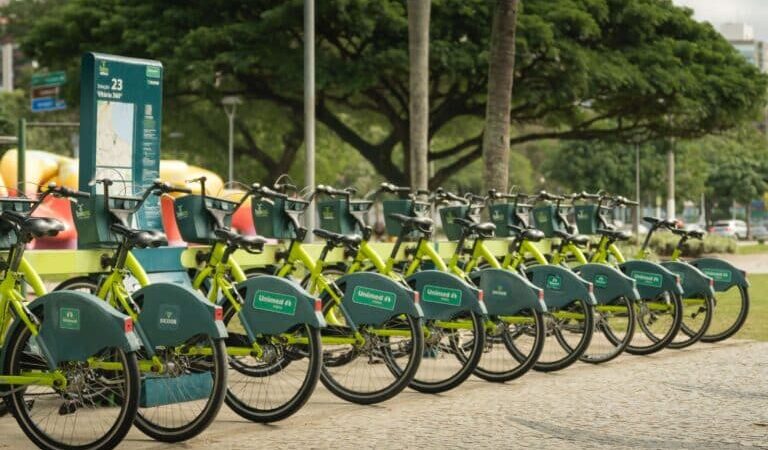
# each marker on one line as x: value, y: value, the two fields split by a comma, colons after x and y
x: 751, y: 12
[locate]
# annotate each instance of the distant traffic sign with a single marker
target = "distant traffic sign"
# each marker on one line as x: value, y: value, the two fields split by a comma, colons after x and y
x: 45, y: 91
x: 49, y: 79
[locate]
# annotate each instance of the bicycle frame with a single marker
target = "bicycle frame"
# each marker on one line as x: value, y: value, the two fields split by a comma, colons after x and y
x: 12, y: 299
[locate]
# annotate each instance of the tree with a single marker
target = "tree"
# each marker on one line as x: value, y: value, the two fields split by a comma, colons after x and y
x: 501, y: 69
x: 418, y: 92
x: 584, y: 69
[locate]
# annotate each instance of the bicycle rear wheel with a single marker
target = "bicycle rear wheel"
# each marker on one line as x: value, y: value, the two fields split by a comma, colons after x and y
x: 697, y: 316
x: 512, y: 346
x: 95, y: 410
x: 569, y: 331
x: 614, y: 329
x: 731, y: 310
x: 659, y: 321
x: 376, y: 369
x: 275, y: 385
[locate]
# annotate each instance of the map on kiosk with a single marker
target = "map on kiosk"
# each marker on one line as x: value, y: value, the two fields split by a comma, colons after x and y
x: 114, y: 144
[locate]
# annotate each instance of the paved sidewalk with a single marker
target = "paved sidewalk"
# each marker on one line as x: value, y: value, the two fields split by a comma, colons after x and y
x: 706, y: 397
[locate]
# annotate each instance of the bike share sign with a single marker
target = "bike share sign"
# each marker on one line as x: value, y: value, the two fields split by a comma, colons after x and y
x: 120, y: 120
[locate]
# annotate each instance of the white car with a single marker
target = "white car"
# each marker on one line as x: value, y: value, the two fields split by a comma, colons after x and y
x: 730, y: 228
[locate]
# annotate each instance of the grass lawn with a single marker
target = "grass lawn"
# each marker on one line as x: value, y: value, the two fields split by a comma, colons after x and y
x: 752, y: 249
x: 756, y: 326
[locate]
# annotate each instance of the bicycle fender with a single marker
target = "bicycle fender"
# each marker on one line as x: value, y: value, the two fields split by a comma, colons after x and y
x: 275, y: 305
x: 507, y: 293
x: 561, y: 286
x: 609, y: 283
x: 694, y: 282
x: 651, y: 279
x: 443, y: 295
x: 81, y: 326
x: 372, y: 299
x: 722, y: 272
x: 171, y: 314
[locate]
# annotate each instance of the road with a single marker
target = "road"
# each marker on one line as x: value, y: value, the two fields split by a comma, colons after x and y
x: 705, y: 397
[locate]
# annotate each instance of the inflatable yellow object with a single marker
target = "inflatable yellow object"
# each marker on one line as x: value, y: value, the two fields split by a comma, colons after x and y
x: 40, y: 168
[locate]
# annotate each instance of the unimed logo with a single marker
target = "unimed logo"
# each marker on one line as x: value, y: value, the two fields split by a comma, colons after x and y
x: 169, y: 317
x: 259, y: 210
x: 81, y: 212
x: 69, y: 318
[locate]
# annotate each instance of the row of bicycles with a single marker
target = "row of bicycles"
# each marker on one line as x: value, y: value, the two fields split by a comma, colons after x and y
x: 103, y: 352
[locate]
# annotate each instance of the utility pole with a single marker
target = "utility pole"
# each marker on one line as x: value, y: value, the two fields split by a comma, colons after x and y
x: 230, y: 109
x: 671, y: 182
x: 309, y: 107
x: 7, y: 67
x: 638, y: 209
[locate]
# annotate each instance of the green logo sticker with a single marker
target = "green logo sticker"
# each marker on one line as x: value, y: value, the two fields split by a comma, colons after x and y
x: 497, y: 216
x: 69, y: 319
x: 647, y: 279
x: 554, y: 282
x: 542, y: 217
x: 441, y: 295
x: 81, y: 212
x: 601, y: 281
x: 274, y: 302
x: 719, y: 275
x: 582, y: 215
x: 170, y: 316
x: 260, y: 209
x: 181, y: 213
x: 328, y: 213
x: 499, y: 290
x: 374, y: 297
x: 153, y: 72
x: 103, y: 68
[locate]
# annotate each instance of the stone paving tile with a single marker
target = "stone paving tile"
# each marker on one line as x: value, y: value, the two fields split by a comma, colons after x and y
x: 705, y: 397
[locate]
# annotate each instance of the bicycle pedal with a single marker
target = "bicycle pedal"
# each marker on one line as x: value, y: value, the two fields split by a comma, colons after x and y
x: 68, y: 407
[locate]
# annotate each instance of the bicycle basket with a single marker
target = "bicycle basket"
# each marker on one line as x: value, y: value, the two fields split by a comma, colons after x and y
x: 22, y: 205
x: 406, y: 207
x: 503, y: 215
x: 447, y: 214
x: 545, y: 220
x: 586, y: 219
x: 93, y: 219
x: 196, y: 225
x: 336, y: 217
x: 271, y: 219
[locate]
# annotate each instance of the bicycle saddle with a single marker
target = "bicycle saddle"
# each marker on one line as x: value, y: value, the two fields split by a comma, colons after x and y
x: 349, y: 240
x: 576, y: 239
x: 140, y: 238
x: 34, y: 226
x: 254, y: 244
x: 660, y: 222
x: 693, y: 234
x: 614, y: 234
x: 484, y: 230
x: 528, y: 234
x: 423, y: 224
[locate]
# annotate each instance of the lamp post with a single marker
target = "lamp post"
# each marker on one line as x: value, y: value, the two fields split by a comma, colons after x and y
x: 230, y: 103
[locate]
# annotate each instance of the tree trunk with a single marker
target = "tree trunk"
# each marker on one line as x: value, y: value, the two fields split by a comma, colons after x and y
x: 501, y: 71
x: 418, y: 50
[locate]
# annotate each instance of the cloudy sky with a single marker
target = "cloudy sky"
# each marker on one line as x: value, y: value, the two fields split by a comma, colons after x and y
x: 751, y: 12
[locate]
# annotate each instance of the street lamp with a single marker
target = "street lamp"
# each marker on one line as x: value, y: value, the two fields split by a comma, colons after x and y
x: 230, y: 103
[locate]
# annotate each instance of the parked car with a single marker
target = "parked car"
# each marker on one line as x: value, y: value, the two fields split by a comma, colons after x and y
x: 760, y: 232
x: 730, y: 228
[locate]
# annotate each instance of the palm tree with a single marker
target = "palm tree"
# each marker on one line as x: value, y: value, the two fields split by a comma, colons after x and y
x: 497, y: 113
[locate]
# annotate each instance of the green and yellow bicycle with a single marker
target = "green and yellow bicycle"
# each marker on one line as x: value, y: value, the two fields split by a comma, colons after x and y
x: 373, y: 344
x: 69, y: 374
x: 455, y: 323
x: 183, y: 359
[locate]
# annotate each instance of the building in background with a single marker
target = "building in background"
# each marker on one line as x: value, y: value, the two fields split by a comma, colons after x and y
x: 742, y: 37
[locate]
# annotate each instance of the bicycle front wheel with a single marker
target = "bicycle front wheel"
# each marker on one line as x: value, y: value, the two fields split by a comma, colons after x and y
x: 94, y: 411
x: 569, y: 331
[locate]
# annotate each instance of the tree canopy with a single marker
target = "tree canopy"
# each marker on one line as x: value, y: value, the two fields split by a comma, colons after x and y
x: 585, y: 69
